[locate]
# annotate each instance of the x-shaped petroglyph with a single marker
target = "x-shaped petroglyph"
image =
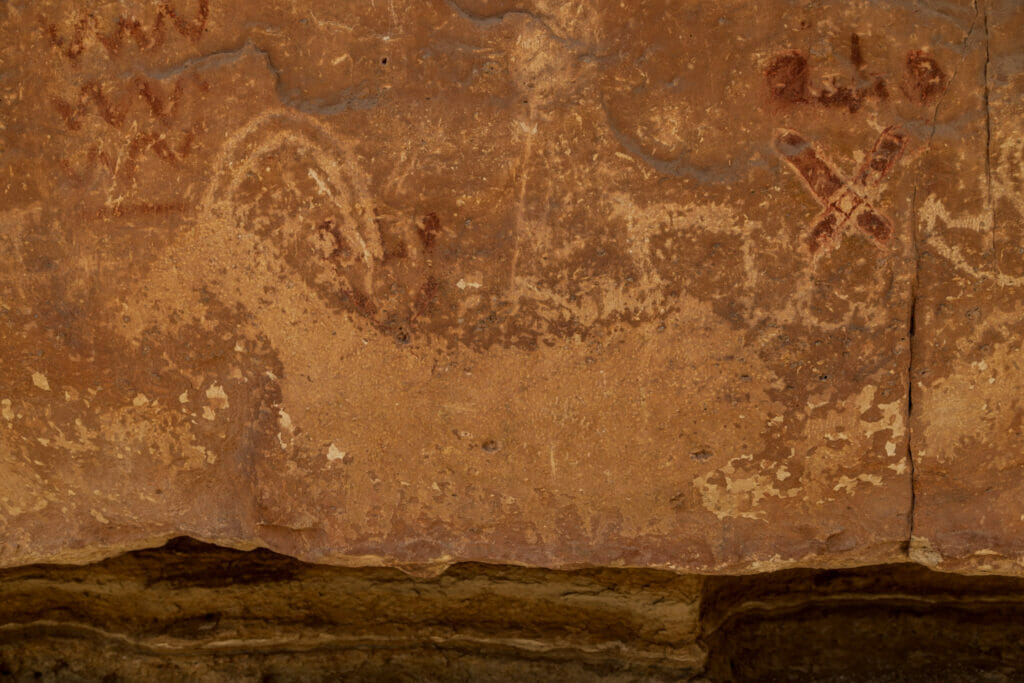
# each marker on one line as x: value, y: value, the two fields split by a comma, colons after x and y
x: 844, y: 201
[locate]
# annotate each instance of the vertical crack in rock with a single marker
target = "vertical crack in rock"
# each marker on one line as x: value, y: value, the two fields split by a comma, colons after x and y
x: 914, y: 281
x: 916, y: 255
x: 956, y: 71
x: 910, y: 396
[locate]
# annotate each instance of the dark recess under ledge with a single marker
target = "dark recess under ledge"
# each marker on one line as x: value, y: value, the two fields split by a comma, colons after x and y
x: 196, y: 611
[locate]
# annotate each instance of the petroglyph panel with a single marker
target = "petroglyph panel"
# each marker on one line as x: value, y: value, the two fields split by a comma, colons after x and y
x: 413, y: 283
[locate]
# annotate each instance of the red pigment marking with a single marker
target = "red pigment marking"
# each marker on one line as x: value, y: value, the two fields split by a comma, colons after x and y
x: 924, y: 75
x: 841, y: 199
x: 429, y: 230
x: 787, y: 77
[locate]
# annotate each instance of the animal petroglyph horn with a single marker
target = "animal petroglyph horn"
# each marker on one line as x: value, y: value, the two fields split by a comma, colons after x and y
x: 286, y: 154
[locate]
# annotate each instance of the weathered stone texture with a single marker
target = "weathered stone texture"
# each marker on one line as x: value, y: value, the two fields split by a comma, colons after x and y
x: 557, y: 284
x: 189, y: 612
x: 968, y: 377
x: 194, y: 612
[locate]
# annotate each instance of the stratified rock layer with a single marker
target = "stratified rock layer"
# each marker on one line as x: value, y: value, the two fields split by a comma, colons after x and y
x: 197, y: 612
x: 413, y: 283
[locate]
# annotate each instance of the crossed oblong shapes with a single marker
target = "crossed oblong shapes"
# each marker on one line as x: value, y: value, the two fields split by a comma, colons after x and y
x: 844, y: 200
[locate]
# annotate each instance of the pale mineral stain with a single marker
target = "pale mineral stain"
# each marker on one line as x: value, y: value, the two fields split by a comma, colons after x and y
x: 99, y: 517
x: 6, y: 410
x: 39, y: 379
x: 218, y: 397
x: 140, y: 400
x: 922, y: 552
x: 740, y: 495
x: 849, y: 484
x: 334, y: 453
x: 321, y: 186
x: 892, y: 414
x: 284, y: 421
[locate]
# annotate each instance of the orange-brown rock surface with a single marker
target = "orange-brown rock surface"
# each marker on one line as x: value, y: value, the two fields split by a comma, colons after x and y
x: 541, y: 283
x: 968, y: 377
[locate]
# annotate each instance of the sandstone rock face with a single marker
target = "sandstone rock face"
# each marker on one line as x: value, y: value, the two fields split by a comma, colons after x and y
x: 968, y: 431
x: 412, y: 283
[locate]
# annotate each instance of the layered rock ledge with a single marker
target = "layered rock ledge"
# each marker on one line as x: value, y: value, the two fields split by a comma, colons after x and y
x: 190, y: 611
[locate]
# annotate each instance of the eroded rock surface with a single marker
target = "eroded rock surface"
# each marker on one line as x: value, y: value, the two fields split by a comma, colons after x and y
x: 412, y: 283
x: 969, y: 363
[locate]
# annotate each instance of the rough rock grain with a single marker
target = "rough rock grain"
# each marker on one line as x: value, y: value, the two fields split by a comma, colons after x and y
x: 543, y: 283
x: 968, y: 376
x: 197, y: 612
x: 189, y: 612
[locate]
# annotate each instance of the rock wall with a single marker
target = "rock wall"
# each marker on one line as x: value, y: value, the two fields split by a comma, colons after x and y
x: 705, y: 287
